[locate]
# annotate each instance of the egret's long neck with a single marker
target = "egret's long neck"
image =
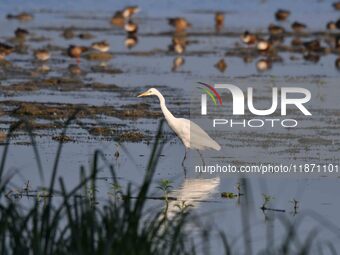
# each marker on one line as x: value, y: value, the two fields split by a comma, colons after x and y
x: 167, y: 114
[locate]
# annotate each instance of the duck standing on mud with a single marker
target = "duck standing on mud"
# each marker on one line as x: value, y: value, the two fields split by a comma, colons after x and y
x: 331, y: 25
x: 118, y: 19
x: 248, y: 38
x: 275, y: 30
x: 129, y: 11
x: 221, y: 65
x: 21, y: 33
x: 23, y: 16
x: 219, y: 21
x: 102, y: 46
x: 298, y: 27
x: 75, y: 51
x: 281, y: 14
x: 336, y: 6
x: 180, y: 24
x: 42, y: 55
x: 337, y: 63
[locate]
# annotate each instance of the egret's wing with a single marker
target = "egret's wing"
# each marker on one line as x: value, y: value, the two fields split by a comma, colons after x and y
x: 196, y: 136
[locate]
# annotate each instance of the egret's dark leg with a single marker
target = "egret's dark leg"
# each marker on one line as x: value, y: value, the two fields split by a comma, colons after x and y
x: 201, y: 157
x: 185, y: 156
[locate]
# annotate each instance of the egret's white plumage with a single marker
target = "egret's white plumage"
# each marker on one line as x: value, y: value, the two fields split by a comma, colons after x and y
x: 192, y: 136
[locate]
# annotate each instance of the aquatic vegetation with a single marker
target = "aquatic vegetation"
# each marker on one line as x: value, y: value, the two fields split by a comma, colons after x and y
x: 228, y: 195
x: 295, y: 206
x: 183, y: 206
x: 116, y: 193
x: 232, y: 195
x: 165, y: 186
x: 267, y: 199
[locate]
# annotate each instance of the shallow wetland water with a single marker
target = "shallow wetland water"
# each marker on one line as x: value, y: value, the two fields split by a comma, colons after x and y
x: 103, y: 89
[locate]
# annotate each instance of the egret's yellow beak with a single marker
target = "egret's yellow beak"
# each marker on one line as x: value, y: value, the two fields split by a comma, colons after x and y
x: 143, y: 94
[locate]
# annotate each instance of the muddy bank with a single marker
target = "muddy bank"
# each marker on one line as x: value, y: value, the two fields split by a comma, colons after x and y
x: 59, y: 84
x: 47, y: 111
x: 51, y: 119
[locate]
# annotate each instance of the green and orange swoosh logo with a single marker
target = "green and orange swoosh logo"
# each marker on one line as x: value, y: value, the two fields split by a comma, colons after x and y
x: 211, y: 92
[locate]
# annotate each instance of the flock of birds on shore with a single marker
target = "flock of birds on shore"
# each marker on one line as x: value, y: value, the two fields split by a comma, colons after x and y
x: 311, y: 49
x: 254, y: 43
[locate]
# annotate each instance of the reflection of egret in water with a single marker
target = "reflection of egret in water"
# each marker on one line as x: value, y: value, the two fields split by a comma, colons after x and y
x: 193, y: 192
x: 117, y: 156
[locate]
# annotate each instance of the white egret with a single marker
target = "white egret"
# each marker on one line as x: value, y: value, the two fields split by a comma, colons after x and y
x: 192, y: 136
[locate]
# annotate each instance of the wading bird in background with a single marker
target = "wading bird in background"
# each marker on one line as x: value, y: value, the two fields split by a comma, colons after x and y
x: 75, y: 51
x: 180, y: 24
x: 42, y: 55
x: 5, y: 50
x: 192, y: 136
x: 102, y: 46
